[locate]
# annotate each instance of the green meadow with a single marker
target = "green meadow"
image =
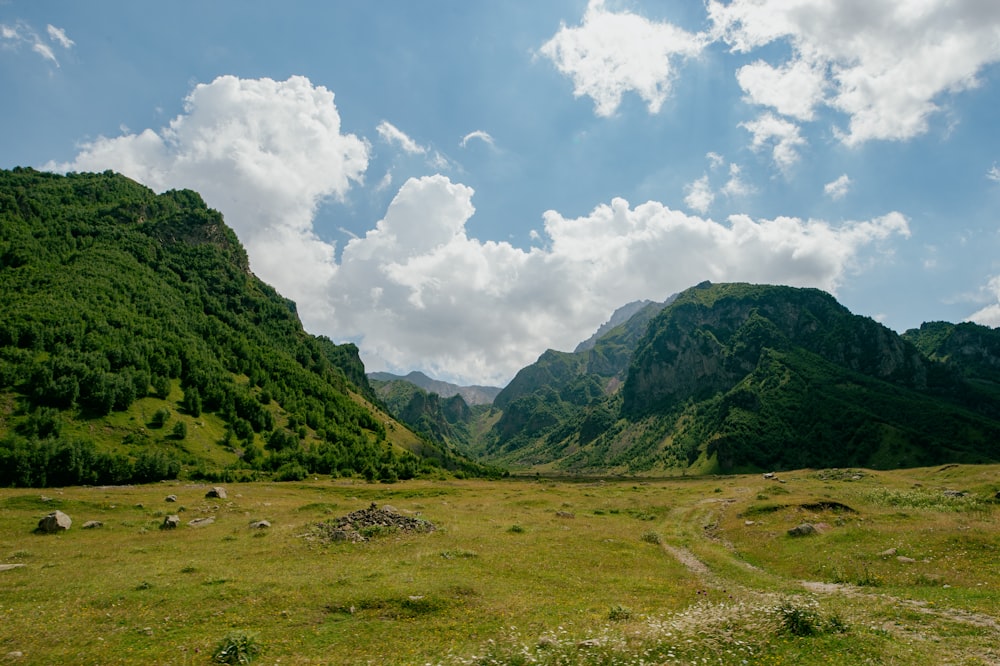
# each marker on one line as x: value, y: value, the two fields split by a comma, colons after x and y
x: 901, y: 569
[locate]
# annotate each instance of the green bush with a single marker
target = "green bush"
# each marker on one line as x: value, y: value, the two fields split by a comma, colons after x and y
x: 238, y: 647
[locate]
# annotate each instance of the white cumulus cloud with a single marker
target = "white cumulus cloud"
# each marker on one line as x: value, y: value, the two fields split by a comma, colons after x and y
x: 990, y: 314
x: 612, y: 53
x: 885, y: 64
x: 782, y: 136
x: 994, y: 173
x: 838, y: 189
x: 699, y: 195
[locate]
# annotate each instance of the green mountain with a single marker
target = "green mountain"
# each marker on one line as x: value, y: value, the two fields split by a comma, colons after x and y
x: 735, y: 377
x: 447, y: 420
x: 135, y: 345
x: 472, y: 395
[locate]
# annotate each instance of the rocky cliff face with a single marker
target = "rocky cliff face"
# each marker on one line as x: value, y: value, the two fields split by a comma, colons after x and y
x: 713, y: 335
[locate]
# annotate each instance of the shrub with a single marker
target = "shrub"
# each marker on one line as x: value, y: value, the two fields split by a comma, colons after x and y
x: 652, y: 537
x: 798, y: 620
x: 291, y: 471
x: 238, y: 647
x: 516, y: 529
x: 160, y: 417
x: 619, y: 613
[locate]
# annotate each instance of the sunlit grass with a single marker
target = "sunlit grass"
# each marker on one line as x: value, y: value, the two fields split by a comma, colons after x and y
x: 516, y: 572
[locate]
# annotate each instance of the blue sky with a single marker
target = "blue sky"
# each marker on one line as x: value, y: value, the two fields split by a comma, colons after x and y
x: 458, y: 186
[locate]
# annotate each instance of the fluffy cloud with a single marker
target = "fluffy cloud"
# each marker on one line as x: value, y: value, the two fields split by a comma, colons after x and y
x: 781, y: 135
x: 699, y: 195
x: 793, y: 90
x: 883, y: 63
x: 838, y: 188
x: 989, y: 315
x: 611, y: 53
x: 418, y: 287
x: 267, y: 154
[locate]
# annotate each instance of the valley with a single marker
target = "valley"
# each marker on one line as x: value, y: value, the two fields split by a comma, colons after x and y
x: 900, y: 569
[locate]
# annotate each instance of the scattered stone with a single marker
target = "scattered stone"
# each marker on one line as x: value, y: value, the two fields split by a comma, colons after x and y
x: 955, y: 493
x: 548, y: 641
x: 92, y: 525
x: 889, y: 552
x: 14, y: 654
x: 170, y: 498
x: 170, y: 522
x: 748, y: 523
x: 589, y: 643
x: 8, y: 567
x: 201, y: 522
x: 905, y: 560
x: 360, y: 525
x: 565, y: 514
x: 260, y: 525
x: 218, y: 492
x: 57, y: 521
x: 388, y: 508
x: 804, y: 529
x: 768, y: 475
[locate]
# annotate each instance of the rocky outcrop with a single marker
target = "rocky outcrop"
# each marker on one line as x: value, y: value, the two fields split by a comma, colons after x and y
x: 371, y: 522
x: 57, y: 521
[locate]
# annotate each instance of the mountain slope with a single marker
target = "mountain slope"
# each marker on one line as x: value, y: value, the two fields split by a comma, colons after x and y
x: 737, y: 377
x: 136, y: 342
x: 472, y: 395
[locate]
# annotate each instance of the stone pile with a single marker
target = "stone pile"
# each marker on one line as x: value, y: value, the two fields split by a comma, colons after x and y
x: 363, y: 524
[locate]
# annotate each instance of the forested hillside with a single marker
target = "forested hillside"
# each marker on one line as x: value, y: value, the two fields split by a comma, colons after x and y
x: 135, y: 343
x: 731, y: 377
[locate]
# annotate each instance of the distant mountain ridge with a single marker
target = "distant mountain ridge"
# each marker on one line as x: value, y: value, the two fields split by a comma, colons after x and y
x: 473, y: 395
x: 731, y: 377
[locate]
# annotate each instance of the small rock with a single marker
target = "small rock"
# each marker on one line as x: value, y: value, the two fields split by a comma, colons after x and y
x: 260, y: 525
x: 8, y: 567
x: 589, y: 643
x: 804, y: 529
x: 201, y: 522
x: 565, y: 514
x: 748, y: 523
x: 14, y: 654
x: 955, y: 493
x: 170, y: 498
x: 92, y: 525
x: 768, y: 475
x: 218, y: 492
x: 889, y: 552
x: 170, y: 522
x: 57, y: 521
x: 389, y: 508
x: 905, y: 560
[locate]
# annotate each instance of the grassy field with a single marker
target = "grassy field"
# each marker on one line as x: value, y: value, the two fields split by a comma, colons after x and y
x: 520, y: 571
